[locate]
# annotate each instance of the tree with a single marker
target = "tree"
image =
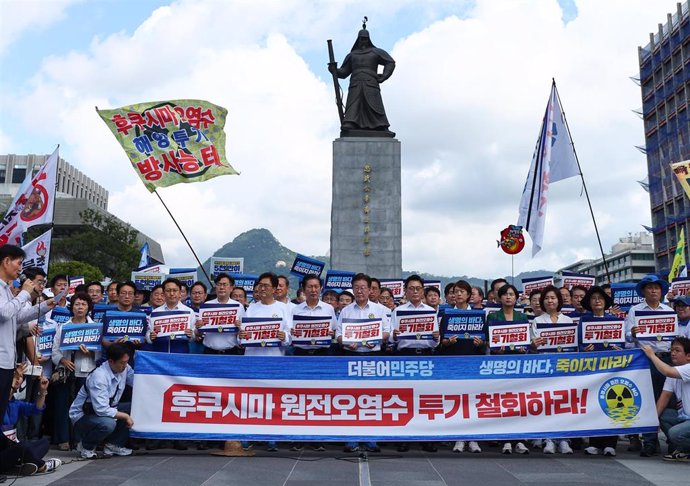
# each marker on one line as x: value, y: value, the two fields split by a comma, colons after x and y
x: 76, y: 269
x: 102, y: 242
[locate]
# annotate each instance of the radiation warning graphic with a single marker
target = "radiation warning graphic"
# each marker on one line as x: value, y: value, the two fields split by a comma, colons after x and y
x: 620, y: 400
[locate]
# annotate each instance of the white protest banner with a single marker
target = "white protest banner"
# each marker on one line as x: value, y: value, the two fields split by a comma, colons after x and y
x: 535, y: 283
x: 559, y: 337
x: 38, y: 252
x: 656, y: 325
x: 387, y: 398
x: 186, y: 277
x: 170, y: 323
x: 511, y: 335
x: 74, y: 282
x: 680, y: 286
x: 570, y: 279
x: 417, y: 325
x: 147, y: 280
x: 364, y: 332
x: 395, y: 286
x: 604, y: 333
x: 219, y: 317
x: 227, y: 265
x: 261, y: 332
x: 311, y: 330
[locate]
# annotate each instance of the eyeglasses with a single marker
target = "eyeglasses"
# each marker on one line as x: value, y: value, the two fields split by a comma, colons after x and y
x: 126, y: 294
x: 264, y: 286
x: 197, y: 292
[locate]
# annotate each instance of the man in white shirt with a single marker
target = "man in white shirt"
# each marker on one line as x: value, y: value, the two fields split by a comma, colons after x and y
x: 652, y: 288
x: 282, y: 290
x: 313, y: 306
x: 675, y: 422
x: 226, y: 342
x: 362, y: 308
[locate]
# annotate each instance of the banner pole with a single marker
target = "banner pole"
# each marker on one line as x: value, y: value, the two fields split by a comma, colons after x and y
x: 589, y: 203
x: 183, y: 236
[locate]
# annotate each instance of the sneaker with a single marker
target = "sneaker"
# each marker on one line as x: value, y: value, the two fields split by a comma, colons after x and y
x: 549, y: 447
x: 521, y: 448
x: 50, y: 465
x: 115, y: 450
x: 28, y: 469
x: 592, y: 451
x: 318, y: 447
x: 537, y: 443
x: 272, y: 447
x: 507, y: 448
x: 564, y: 447
x: 474, y: 447
x: 609, y: 451
x: 247, y: 446
x: 86, y: 453
x: 297, y: 447
x: 459, y: 446
x: 677, y: 456
x: 354, y: 448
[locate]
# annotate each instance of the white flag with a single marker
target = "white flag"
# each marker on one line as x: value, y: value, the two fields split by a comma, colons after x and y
x: 33, y: 206
x: 38, y: 252
x: 553, y: 160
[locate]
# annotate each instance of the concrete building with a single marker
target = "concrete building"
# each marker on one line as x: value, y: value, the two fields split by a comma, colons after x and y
x: 630, y: 259
x: 665, y: 83
x: 76, y: 192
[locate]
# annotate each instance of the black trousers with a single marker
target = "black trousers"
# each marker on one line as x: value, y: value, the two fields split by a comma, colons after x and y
x: 18, y: 453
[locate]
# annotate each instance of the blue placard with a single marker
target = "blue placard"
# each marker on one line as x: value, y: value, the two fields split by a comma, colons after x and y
x: 303, y: 265
x: 99, y: 311
x: 338, y: 280
x: 625, y: 295
x: 44, y: 344
x: 245, y: 280
x: 74, y: 335
x: 60, y: 315
x: 463, y: 324
x: 131, y: 326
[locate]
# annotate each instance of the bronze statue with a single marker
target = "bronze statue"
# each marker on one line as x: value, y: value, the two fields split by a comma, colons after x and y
x: 364, y: 115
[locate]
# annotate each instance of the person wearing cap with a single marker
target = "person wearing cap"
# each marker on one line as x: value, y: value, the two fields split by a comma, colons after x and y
x: 596, y: 302
x: 681, y: 305
x: 652, y: 289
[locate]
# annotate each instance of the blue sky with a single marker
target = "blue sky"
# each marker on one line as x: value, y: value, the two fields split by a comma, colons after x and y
x: 466, y: 100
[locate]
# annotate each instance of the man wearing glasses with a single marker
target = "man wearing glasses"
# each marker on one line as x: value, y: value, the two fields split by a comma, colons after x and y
x: 223, y: 342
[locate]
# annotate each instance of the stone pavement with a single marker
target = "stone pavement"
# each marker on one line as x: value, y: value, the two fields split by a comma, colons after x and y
x: 389, y: 468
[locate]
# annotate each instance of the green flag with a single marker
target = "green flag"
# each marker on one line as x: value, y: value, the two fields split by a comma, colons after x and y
x: 174, y: 141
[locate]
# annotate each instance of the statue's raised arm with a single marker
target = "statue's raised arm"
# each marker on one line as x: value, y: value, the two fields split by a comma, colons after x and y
x: 364, y: 114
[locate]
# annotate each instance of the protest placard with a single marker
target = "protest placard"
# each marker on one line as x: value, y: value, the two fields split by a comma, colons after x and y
x: 604, y: 333
x: 219, y: 317
x: 463, y: 324
x: 227, y: 265
x: 170, y: 323
x: 656, y: 325
x: 261, y: 332
x: 510, y: 335
x: 312, y: 330
x: 415, y: 324
x: 363, y: 332
x: 559, y: 337
x: 74, y: 335
x: 304, y: 265
x: 130, y: 326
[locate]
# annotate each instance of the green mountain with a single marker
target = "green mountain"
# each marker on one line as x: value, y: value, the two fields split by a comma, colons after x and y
x: 262, y: 252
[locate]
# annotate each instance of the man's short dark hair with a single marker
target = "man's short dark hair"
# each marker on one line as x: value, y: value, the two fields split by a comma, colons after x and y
x: 33, y: 272
x: 448, y: 288
x: 479, y: 290
x: 429, y: 290
x: 308, y: 277
x: 183, y: 284
x: 269, y: 275
x: 201, y: 284
x: 116, y: 351
x: 100, y: 285
x: 330, y: 292
x: 348, y: 293
x: 577, y: 287
x: 374, y: 279
x: 605, y: 286
x: 57, y: 278
x: 223, y: 275
x: 684, y: 342
x: 496, y: 281
x: 362, y: 276
x: 171, y: 280
x: 535, y: 292
x: 12, y: 252
x: 115, y: 283
x: 414, y: 278
x: 287, y: 282
x: 128, y: 283
x: 244, y: 292
x: 81, y: 288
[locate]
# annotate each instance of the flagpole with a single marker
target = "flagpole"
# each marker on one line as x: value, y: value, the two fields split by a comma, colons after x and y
x: 589, y: 203
x: 52, y: 218
x: 183, y: 235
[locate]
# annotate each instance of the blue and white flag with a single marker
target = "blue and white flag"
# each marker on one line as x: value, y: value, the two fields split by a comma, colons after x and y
x: 553, y: 160
x: 145, y: 259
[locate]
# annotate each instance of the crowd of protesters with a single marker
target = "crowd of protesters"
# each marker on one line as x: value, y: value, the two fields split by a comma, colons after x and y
x: 81, y: 398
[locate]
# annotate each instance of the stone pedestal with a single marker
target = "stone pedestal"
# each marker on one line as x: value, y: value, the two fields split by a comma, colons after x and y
x: 366, y: 229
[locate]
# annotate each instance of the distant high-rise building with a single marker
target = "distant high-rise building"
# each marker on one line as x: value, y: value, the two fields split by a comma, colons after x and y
x: 665, y: 83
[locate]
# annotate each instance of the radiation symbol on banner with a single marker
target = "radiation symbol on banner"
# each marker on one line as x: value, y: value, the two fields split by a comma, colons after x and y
x: 512, y: 242
x: 620, y: 399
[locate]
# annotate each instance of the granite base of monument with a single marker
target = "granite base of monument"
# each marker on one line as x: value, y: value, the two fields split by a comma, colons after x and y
x: 366, y: 228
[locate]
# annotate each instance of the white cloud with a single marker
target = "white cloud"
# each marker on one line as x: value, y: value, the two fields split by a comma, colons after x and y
x: 466, y: 101
x: 17, y: 17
